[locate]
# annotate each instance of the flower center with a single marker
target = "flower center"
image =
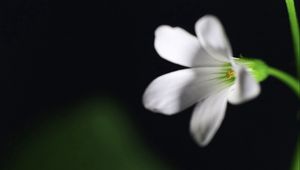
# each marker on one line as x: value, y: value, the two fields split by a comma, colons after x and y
x: 230, y: 74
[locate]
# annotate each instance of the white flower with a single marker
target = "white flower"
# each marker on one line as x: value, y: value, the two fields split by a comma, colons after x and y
x: 213, y: 77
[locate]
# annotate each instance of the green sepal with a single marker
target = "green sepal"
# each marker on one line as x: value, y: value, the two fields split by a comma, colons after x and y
x: 257, y: 68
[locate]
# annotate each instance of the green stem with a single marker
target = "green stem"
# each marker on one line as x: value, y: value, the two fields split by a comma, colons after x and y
x: 295, y: 31
x: 290, y: 81
x: 286, y: 78
x: 296, y: 159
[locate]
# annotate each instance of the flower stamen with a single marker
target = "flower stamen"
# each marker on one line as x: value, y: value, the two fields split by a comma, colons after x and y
x: 230, y: 74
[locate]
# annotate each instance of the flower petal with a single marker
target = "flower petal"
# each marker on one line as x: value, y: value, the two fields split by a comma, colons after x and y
x: 245, y: 87
x: 178, y: 46
x: 212, y: 36
x: 173, y: 92
x: 207, y: 117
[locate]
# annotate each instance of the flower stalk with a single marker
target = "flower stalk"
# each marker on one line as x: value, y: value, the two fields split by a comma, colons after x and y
x: 290, y: 81
x: 296, y: 42
x: 295, y: 31
x: 296, y: 161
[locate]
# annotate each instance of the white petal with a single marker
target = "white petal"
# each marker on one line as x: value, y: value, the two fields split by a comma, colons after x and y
x: 173, y: 92
x: 245, y: 87
x: 178, y: 46
x: 207, y: 117
x: 212, y: 36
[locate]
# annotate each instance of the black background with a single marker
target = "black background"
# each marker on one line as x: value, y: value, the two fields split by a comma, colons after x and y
x: 53, y: 57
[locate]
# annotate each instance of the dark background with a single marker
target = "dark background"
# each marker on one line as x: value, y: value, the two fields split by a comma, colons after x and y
x: 54, y: 57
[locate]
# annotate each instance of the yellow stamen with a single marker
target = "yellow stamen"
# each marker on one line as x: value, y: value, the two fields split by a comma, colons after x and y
x: 230, y: 74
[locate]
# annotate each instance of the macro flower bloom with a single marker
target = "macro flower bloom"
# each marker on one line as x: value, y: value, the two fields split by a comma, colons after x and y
x: 212, y: 78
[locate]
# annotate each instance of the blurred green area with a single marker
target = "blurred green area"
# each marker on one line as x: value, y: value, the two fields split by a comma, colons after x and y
x: 97, y: 135
x: 296, y: 161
